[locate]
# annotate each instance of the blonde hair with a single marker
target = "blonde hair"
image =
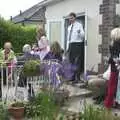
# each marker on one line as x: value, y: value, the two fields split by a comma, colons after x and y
x: 115, y: 35
x: 40, y: 32
x: 55, y: 48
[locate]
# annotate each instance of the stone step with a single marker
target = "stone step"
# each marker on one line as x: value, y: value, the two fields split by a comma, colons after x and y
x: 77, y: 105
x: 76, y: 92
x: 80, y: 85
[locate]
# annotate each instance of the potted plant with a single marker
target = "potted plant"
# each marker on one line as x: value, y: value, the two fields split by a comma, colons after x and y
x: 42, y: 106
x: 16, y: 110
x: 32, y: 68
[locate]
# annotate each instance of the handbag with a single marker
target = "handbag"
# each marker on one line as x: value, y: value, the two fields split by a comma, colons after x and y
x: 106, y: 74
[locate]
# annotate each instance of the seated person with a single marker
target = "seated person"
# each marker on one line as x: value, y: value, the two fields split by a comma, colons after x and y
x: 61, y: 68
x: 27, y: 55
x: 21, y: 60
x: 7, y: 58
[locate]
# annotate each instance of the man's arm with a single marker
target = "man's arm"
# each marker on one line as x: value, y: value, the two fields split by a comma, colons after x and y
x: 81, y: 31
x: 67, y: 42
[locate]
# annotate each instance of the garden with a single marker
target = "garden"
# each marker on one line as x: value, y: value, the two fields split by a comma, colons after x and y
x: 43, y: 107
x: 47, y: 103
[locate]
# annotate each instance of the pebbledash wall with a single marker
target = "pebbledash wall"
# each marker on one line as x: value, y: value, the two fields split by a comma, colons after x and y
x: 100, y: 22
x: 56, y: 12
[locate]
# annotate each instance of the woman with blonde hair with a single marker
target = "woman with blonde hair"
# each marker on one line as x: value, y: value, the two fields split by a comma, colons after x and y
x: 43, y: 44
x: 40, y: 32
x: 113, y: 80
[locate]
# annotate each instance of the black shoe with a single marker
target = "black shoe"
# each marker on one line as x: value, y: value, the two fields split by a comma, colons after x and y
x: 95, y: 98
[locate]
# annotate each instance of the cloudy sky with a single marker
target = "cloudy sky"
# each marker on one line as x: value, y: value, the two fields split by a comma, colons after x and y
x: 12, y: 7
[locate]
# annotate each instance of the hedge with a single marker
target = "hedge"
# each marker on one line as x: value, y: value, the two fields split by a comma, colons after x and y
x: 18, y: 35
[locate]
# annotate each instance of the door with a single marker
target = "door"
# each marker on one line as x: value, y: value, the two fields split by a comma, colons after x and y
x: 82, y: 18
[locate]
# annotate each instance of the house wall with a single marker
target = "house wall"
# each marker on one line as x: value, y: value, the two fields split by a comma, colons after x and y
x: 118, y: 9
x: 57, y: 11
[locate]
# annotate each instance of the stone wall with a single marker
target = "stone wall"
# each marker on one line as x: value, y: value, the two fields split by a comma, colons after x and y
x: 108, y: 12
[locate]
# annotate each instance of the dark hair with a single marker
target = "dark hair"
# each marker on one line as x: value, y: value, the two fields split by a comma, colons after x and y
x: 55, y: 48
x: 72, y: 14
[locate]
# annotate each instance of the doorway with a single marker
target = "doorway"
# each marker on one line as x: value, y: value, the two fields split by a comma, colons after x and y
x: 82, y: 18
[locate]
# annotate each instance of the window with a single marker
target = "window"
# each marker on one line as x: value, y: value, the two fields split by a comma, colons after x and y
x: 55, y: 29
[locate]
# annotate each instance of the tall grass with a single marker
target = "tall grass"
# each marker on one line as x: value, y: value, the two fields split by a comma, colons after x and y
x: 93, y: 113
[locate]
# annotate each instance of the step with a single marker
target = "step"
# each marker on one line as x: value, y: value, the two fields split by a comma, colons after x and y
x: 77, y: 105
x: 77, y: 92
x: 80, y: 85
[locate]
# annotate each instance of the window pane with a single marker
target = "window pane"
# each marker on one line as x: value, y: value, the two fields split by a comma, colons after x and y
x: 55, y: 31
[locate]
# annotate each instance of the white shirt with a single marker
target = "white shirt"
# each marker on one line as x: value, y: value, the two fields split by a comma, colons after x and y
x: 77, y: 34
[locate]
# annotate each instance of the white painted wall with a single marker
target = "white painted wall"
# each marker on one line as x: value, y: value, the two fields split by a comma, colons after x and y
x: 61, y: 9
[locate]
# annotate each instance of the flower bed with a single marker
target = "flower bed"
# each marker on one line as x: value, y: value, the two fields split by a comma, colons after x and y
x: 44, y: 107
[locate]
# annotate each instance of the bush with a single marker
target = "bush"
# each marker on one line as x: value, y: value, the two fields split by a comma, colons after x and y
x: 3, y: 112
x: 31, y: 68
x: 92, y: 113
x: 42, y: 106
x: 17, y: 34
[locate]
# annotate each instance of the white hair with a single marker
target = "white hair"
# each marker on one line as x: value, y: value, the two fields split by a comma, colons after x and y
x: 26, y: 48
x: 115, y: 34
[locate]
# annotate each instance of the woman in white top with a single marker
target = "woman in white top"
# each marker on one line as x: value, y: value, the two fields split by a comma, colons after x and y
x: 42, y: 43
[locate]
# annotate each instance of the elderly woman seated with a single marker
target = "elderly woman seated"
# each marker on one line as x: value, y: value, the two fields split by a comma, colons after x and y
x: 27, y: 55
x: 21, y: 60
x: 7, y: 59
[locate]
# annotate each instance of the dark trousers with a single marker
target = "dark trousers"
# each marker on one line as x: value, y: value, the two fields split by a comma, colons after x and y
x: 76, y: 56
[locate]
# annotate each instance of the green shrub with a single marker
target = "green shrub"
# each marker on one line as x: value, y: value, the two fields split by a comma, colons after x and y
x: 3, y: 112
x: 93, y: 113
x: 42, y: 106
x: 17, y: 34
x: 31, y: 68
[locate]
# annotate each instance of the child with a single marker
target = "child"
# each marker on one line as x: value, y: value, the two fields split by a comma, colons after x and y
x: 55, y: 52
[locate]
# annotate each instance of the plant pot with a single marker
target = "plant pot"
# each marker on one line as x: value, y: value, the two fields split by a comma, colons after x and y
x: 17, y: 112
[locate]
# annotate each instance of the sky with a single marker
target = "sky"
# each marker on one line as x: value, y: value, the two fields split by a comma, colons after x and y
x: 12, y: 7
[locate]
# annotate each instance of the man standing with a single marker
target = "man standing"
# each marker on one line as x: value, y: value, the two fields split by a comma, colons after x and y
x: 75, y: 45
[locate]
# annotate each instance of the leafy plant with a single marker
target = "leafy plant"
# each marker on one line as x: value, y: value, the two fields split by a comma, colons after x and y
x: 42, y: 106
x: 3, y: 112
x: 17, y: 104
x: 16, y: 34
x: 31, y: 68
x: 92, y: 113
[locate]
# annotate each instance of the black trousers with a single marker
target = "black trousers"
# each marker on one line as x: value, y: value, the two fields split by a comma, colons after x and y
x: 76, y: 56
